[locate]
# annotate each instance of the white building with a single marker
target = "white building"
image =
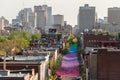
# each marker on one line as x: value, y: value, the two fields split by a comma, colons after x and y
x: 3, y: 23
x: 86, y: 17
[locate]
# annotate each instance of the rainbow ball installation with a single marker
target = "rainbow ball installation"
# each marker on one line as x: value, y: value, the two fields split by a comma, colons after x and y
x: 70, y: 62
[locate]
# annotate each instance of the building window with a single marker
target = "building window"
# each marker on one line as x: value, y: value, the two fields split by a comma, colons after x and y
x: 89, y: 41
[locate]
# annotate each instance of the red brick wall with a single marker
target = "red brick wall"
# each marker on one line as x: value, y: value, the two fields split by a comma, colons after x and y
x: 93, y: 40
x: 108, y: 66
x: 20, y: 66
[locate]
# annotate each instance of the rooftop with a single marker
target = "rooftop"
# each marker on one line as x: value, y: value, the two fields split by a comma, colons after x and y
x: 37, y: 56
x: 8, y: 74
x: 15, y: 75
x: 28, y: 58
x: 94, y: 50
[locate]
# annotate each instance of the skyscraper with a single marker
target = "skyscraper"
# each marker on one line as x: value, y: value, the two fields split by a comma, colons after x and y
x: 86, y: 17
x: 58, y: 22
x: 44, y: 16
x: 23, y: 15
x: 41, y: 17
x: 114, y: 15
x: 32, y: 19
x: 49, y: 16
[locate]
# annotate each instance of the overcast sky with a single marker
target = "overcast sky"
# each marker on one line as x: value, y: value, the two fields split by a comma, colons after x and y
x: 69, y: 8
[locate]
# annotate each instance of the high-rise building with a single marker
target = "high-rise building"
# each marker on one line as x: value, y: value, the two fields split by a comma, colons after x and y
x: 86, y: 17
x: 114, y: 15
x: 6, y: 22
x: 44, y: 16
x: 15, y: 22
x: 2, y: 24
x: 20, y: 16
x: 48, y: 11
x: 32, y: 19
x: 49, y: 16
x: 26, y: 13
x: 23, y: 15
x: 41, y: 17
x: 58, y: 22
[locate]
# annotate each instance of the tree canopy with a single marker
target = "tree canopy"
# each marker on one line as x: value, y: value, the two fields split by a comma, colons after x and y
x: 36, y: 36
x: 14, y: 42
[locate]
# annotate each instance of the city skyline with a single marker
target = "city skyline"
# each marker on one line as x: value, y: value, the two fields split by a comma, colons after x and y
x: 10, y: 9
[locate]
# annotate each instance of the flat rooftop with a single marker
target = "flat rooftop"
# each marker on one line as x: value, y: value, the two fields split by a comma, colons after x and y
x: 8, y: 74
x: 19, y: 58
x: 25, y: 58
x: 15, y: 75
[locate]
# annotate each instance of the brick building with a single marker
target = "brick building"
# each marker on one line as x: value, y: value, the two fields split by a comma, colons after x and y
x: 38, y: 63
x: 93, y: 40
x: 103, y: 64
x: 23, y: 74
x: 109, y: 44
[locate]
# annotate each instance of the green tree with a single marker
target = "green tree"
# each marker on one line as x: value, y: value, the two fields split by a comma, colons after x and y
x: 112, y: 36
x: 119, y: 35
x: 14, y: 42
x: 22, y: 43
x: 64, y: 51
x: 36, y: 36
x: 2, y: 39
x: 8, y: 46
x: 26, y: 35
x: 52, y: 77
x: 83, y: 71
x: 104, y: 32
x: 54, y: 65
